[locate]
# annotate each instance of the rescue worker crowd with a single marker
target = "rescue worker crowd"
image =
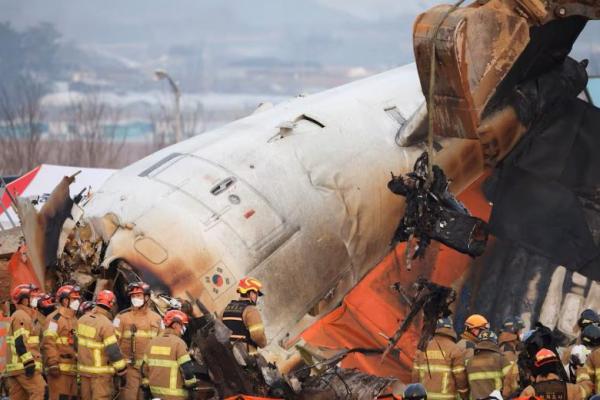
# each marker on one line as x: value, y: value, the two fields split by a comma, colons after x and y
x: 483, y: 365
x: 62, y: 348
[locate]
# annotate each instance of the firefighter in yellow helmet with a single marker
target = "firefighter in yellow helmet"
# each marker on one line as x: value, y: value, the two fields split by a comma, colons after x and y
x: 58, y: 345
x: 441, y: 367
x: 167, y: 369
x: 243, y: 318
x: 23, y: 357
x: 135, y: 327
x: 100, y: 358
x: 473, y: 326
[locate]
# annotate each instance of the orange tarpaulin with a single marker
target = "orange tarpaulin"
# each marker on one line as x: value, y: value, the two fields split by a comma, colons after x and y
x: 20, y: 269
x: 373, y: 311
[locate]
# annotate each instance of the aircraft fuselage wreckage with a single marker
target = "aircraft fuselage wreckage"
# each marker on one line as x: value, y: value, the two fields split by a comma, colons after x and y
x: 296, y: 194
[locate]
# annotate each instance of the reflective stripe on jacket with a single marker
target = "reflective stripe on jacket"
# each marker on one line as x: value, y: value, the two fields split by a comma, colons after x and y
x: 97, y: 350
x: 135, y: 328
x: 589, y: 375
x: 23, y: 341
x: 489, y: 370
x: 58, y: 342
x: 441, y: 367
x: 164, y: 367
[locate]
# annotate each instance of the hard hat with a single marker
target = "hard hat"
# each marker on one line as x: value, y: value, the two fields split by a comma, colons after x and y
x: 595, y: 397
x: 415, y: 391
x: 513, y: 324
x: 175, y: 316
x: 588, y: 317
x: 544, y: 357
x: 477, y: 321
x: 138, y: 287
x: 590, y: 336
x: 250, y: 284
x: 45, y: 301
x: 106, y: 298
x: 487, y: 336
x: 23, y: 291
x: 66, y: 292
x: 444, y: 323
x: 85, y: 307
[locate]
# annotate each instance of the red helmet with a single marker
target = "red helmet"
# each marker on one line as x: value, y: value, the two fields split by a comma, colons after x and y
x: 175, y: 316
x: 85, y: 307
x: 545, y: 356
x: 23, y: 291
x: 45, y: 301
x: 249, y: 284
x: 106, y: 298
x: 67, y: 291
x: 138, y: 287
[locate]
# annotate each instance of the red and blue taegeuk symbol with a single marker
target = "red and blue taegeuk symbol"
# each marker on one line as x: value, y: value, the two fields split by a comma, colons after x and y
x: 217, y: 280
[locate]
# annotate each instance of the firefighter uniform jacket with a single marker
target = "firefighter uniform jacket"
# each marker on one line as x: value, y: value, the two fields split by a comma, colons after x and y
x: 441, y: 368
x: 59, y: 341
x: 134, y: 329
x: 97, y: 350
x: 490, y: 370
x: 550, y: 387
x: 167, y: 368
x: 589, y: 374
x: 23, y: 341
x: 467, y: 344
x: 509, y: 345
x: 245, y: 322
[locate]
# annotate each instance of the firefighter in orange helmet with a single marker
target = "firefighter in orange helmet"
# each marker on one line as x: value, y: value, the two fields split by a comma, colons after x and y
x: 167, y: 369
x: 99, y: 356
x: 24, y: 365
x: 243, y: 318
x: 547, y: 382
x: 58, y: 345
x: 135, y: 327
x: 473, y: 326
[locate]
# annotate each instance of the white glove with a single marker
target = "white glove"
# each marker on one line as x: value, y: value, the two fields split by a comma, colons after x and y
x: 579, y: 353
x: 497, y: 395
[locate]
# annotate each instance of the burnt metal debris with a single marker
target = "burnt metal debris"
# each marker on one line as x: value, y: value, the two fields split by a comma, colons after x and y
x: 434, y: 300
x: 433, y: 213
x: 227, y: 370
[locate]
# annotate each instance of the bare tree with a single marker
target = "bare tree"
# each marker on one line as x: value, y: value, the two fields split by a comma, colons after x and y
x: 164, y: 124
x: 93, y: 132
x: 20, y: 126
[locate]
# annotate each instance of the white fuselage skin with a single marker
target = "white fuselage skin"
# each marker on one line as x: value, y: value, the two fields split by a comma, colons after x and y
x: 300, y: 203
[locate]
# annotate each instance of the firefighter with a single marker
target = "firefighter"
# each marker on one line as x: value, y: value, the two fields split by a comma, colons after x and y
x: 135, y: 327
x: 84, y: 308
x: 473, y: 325
x: 572, y: 355
x: 243, y: 318
x: 46, y: 306
x: 168, y: 370
x: 489, y: 370
x: 100, y: 359
x: 509, y: 342
x: 588, y: 374
x: 24, y: 365
x: 58, y: 345
x: 547, y: 383
x: 441, y: 368
x: 415, y: 391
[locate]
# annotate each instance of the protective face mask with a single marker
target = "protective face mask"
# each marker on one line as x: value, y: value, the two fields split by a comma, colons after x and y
x: 136, y: 302
x: 34, y: 302
x: 74, y: 305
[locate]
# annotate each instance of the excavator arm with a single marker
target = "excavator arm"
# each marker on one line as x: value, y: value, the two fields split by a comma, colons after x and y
x: 499, y: 72
x: 483, y: 51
